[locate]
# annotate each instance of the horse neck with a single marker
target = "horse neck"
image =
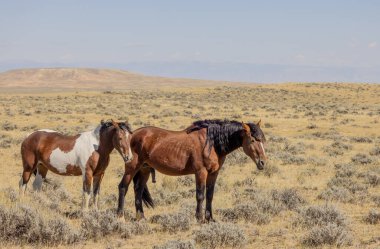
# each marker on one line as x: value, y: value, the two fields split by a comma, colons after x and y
x: 105, y: 143
x: 235, y: 141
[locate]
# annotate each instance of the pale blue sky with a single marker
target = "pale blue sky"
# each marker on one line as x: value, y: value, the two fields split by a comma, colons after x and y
x: 343, y: 34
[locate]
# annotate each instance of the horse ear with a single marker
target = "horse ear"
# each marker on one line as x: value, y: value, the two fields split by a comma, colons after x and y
x: 246, y: 127
x: 259, y: 123
x: 114, y: 123
x: 102, y: 122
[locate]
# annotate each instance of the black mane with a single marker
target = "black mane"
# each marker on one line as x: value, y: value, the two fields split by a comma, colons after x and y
x: 122, y: 125
x: 225, y: 135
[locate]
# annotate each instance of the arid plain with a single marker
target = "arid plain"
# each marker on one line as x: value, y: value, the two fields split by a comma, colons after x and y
x: 321, y: 186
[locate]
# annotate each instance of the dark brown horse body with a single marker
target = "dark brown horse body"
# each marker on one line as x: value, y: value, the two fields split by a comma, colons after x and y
x: 85, y: 154
x: 200, y: 149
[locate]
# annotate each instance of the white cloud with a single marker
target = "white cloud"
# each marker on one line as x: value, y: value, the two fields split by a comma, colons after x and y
x: 372, y: 44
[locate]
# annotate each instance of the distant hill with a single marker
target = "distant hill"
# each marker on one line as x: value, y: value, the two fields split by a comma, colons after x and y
x: 88, y: 78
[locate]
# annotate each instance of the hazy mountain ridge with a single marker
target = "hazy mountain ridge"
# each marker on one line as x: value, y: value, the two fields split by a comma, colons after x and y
x: 90, y: 78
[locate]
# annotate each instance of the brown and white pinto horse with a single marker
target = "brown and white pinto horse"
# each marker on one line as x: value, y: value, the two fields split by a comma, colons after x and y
x: 86, y: 154
x: 200, y: 149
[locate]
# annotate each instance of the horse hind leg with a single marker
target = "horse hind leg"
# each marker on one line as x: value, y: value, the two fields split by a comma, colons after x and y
x: 41, y: 172
x: 29, y: 165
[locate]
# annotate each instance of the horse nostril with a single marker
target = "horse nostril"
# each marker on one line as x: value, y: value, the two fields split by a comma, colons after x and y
x: 262, y: 163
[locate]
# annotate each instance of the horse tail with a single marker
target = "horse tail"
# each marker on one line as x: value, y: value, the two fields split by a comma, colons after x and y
x: 146, y: 197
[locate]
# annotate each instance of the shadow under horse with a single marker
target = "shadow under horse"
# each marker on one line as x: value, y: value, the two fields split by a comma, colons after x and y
x: 200, y: 149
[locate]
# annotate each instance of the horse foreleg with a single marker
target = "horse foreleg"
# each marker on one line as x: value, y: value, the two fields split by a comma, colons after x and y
x: 200, y: 179
x: 87, y: 182
x: 210, y: 185
x: 130, y: 170
x: 97, y: 181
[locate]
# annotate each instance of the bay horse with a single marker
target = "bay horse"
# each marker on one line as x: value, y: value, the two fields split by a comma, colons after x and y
x: 200, y: 149
x: 86, y: 154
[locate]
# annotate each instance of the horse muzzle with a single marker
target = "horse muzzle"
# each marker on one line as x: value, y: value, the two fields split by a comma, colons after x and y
x: 260, y: 164
x: 127, y: 159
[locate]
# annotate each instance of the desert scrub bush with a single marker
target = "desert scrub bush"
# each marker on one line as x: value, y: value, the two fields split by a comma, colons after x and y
x: 257, y: 207
x: 269, y: 170
x: 337, y: 148
x: 312, y: 126
x: 375, y: 151
x: 8, y: 126
x: 317, y: 161
x: 5, y: 141
x: 373, y: 217
x: 371, y: 177
x: 320, y: 215
x: 165, y: 197
x: 330, y: 234
x: 348, y: 183
x: 337, y: 193
x: 295, y: 149
x: 248, y: 181
x: 22, y: 224
x: 361, y: 158
x: 216, y: 235
x: 249, y: 212
x: 361, y: 140
x: 327, y: 226
x: 237, y: 158
x: 289, y: 197
x: 288, y: 158
x: 345, y: 170
x: 277, y: 139
x: 187, y: 181
x: 176, y: 244
x: 11, y: 194
x: 172, y: 222
x: 376, y: 200
x: 96, y: 224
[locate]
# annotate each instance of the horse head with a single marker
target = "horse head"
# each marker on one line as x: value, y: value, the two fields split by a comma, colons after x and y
x: 253, y: 139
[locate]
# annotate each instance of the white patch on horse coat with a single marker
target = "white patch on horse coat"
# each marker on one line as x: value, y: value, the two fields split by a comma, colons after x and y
x: 47, y: 130
x: 22, y: 187
x: 85, y: 200
x: 84, y: 146
x: 130, y: 155
x: 262, y: 147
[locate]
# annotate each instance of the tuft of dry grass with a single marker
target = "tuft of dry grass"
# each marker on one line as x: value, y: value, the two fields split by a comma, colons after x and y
x: 216, y: 235
x: 173, y: 222
x: 176, y: 244
x: 326, y: 224
x: 373, y: 217
x: 23, y: 224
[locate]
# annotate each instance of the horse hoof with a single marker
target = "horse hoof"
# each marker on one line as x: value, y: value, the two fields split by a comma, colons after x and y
x: 121, y: 218
x: 140, y: 216
x: 211, y: 220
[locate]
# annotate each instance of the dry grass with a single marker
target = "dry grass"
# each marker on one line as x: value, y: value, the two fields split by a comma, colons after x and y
x: 323, y: 144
